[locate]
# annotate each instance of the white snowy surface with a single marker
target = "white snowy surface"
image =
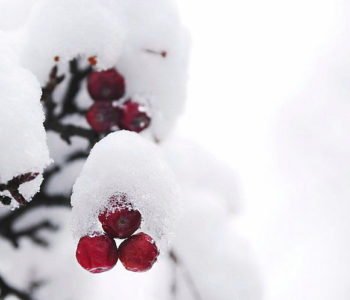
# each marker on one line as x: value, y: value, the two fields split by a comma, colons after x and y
x: 68, y: 29
x: 126, y: 163
x: 197, y: 168
x: 225, y: 268
x: 22, y: 134
x: 14, y: 13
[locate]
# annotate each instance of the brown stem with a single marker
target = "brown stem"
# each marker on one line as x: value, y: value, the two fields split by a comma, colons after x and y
x: 13, y: 185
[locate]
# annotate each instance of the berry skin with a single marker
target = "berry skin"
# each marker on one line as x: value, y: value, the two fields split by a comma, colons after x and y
x: 106, y: 85
x: 134, y: 117
x: 97, y: 254
x: 103, y: 117
x: 138, y: 253
x: 120, y: 223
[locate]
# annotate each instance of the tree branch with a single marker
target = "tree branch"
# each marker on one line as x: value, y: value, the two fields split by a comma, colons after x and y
x: 13, y: 187
x: 186, y: 274
x: 8, y: 290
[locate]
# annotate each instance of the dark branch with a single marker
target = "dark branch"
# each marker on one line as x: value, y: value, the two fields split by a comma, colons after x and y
x: 8, y: 290
x: 186, y: 274
x: 67, y: 132
x: 53, y: 121
x: 77, y: 155
x: 8, y: 221
x: 13, y: 187
x: 68, y: 104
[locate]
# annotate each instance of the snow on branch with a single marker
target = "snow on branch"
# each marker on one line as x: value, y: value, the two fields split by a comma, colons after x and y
x: 24, y: 153
x: 65, y: 29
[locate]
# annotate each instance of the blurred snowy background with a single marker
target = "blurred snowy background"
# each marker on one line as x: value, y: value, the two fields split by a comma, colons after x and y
x: 269, y: 95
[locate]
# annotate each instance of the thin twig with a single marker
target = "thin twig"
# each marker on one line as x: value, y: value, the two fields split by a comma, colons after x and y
x: 13, y: 185
x: 186, y: 274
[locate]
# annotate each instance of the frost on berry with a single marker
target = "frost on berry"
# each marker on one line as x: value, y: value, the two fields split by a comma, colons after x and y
x: 124, y: 163
x: 106, y: 85
x: 103, y: 117
x: 97, y: 253
x: 134, y: 117
x: 138, y: 253
x: 120, y: 221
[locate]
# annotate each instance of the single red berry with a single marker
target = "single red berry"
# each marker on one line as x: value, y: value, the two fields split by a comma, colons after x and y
x: 134, y: 117
x: 120, y: 223
x: 97, y: 253
x: 102, y: 116
x: 106, y: 85
x: 138, y: 253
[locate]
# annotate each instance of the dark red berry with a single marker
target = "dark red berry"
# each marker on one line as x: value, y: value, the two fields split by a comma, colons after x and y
x: 106, y: 85
x: 97, y: 254
x: 138, y: 253
x: 120, y: 223
x: 134, y: 117
x: 103, y: 117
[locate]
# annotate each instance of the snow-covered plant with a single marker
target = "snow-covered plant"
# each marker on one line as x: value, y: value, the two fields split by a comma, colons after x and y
x: 89, y: 92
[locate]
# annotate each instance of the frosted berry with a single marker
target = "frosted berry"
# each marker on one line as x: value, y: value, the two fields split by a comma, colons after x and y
x: 106, y: 85
x: 138, y: 253
x: 120, y: 223
x: 97, y: 254
x: 103, y: 117
x: 134, y: 117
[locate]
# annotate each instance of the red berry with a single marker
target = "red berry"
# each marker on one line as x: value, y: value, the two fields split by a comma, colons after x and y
x: 97, y: 253
x: 120, y: 223
x: 106, y: 85
x: 102, y: 116
x: 138, y: 253
x: 134, y: 117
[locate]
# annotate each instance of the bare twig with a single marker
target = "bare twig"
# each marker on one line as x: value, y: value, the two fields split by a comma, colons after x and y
x: 186, y: 274
x: 13, y: 187
x: 8, y: 290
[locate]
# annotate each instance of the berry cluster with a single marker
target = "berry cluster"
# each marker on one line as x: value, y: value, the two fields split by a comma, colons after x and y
x: 109, y: 112
x: 99, y: 253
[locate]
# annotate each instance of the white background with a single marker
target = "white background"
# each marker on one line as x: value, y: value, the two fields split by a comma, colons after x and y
x: 269, y: 94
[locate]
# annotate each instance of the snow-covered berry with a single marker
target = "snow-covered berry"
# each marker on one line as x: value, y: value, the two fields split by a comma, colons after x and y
x: 120, y: 223
x: 134, y: 117
x: 97, y: 253
x: 106, y: 85
x: 138, y: 253
x: 103, y: 116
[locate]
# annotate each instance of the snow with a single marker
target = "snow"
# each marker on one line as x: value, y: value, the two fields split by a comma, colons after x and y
x: 147, y: 42
x: 211, y: 201
x: 23, y: 148
x: 197, y: 168
x: 124, y: 163
x: 154, y: 25
x: 225, y: 257
x: 68, y: 29
x: 14, y: 13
